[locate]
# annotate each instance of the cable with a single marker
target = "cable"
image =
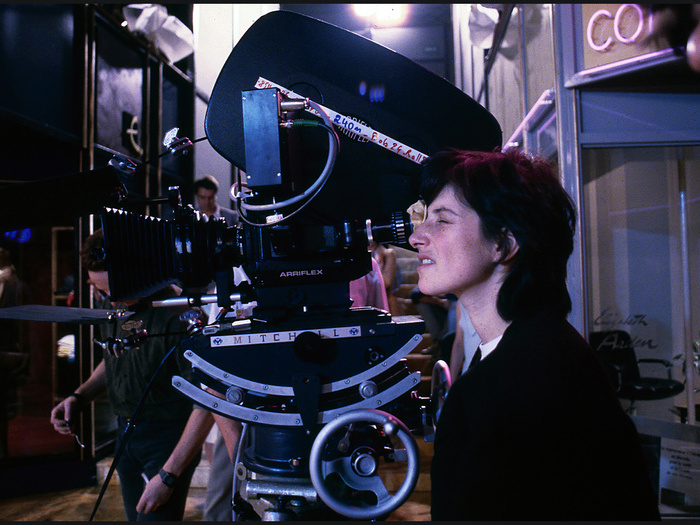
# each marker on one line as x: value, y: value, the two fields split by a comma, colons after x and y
x: 317, y: 185
x: 127, y: 433
x: 315, y: 188
x: 169, y: 150
x: 177, y: 147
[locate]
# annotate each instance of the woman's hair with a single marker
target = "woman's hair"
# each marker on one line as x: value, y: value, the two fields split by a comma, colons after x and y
x: 518, y: 193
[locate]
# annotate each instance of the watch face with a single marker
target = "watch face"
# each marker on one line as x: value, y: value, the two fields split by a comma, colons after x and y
x: 168, y: 479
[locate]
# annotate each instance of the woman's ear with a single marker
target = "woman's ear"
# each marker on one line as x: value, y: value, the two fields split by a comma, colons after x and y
x: 507, y: 247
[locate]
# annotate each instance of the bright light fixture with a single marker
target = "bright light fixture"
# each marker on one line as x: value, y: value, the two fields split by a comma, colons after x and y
x: 391, y: 13
x: 364, y: 10
x: 382, y: 14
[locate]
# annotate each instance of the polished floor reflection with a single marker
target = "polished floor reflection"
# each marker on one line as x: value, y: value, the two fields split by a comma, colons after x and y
x: 78, y: 504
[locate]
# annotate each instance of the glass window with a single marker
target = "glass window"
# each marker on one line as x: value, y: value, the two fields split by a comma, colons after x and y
x: 642, y: 243
x: 176, y: 112
x: 505, y: 80
x: 540, y: 51
x: 512, y: 92
x: 119, y: 95
x: 691, y: 177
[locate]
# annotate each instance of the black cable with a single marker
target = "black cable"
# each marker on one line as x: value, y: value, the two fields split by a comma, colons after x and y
x: 127, y: 433
x: 168, y: 150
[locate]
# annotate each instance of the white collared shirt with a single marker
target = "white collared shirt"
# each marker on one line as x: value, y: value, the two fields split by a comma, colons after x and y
x: 216, y: 214
x: 487, y: 348
x: 471, y: 338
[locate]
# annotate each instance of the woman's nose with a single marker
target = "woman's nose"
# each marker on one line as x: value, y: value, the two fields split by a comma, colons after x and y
x: 417, y: 239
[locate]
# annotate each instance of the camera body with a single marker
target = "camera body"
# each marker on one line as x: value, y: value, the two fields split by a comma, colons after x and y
x: 320, y: 385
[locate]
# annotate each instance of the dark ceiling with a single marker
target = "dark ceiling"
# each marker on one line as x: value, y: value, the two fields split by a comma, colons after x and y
x: 341, y: 15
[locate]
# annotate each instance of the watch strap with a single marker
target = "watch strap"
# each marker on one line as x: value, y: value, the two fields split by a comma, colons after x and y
x: 80, y: 398
x: 168, y: 478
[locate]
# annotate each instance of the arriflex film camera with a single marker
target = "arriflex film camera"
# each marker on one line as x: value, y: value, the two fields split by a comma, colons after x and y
x: 329, y: 130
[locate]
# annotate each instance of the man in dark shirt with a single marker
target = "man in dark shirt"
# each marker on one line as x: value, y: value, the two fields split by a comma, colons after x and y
x: 164, y: 447
x: 205, y: 190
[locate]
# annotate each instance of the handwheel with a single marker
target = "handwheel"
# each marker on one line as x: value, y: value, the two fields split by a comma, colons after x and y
x: 440, y: 384
x: 356, y: 461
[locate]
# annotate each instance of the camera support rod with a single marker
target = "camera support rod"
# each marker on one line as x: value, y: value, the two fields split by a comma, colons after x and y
x: 195, y: 300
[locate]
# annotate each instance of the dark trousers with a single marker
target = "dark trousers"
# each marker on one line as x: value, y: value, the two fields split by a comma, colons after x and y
x: 147, y: 449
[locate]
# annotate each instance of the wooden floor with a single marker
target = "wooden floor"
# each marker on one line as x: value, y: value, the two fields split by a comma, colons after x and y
x: 78, y: 504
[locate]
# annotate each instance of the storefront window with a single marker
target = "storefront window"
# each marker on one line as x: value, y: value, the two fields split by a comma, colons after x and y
x: 523, y: 67
x: 540, y: 52
x: 642, y: 240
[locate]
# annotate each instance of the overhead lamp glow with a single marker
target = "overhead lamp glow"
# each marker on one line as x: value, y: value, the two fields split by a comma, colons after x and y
x: 364, y: 10
x: 382, y: 14
x: 391, y: 13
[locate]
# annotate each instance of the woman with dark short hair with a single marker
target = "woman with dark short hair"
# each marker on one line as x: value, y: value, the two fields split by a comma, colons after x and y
x: 533, y: 429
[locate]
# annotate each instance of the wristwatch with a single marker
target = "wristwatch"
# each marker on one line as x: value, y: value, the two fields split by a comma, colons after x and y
x: 168, y: 478
x: 80, y: 398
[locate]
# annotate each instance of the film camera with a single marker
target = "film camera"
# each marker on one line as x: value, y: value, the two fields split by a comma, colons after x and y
x: 328, y: 130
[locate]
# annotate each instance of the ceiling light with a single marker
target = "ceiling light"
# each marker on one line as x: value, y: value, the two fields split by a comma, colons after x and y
x: 364, y: 10
x: 382, y: 14
x: 390, y: 14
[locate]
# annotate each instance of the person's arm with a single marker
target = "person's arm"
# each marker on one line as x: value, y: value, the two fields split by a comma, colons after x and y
x: 389, y: 269
x: 63, y: 414
x: 376, y: 291
x: 190, y: 444
x: 231, y: 433
x: 230, y: 428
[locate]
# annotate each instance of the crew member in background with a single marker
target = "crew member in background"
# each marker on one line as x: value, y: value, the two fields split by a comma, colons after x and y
x: 369, y: 290
x: 218, y: 497
x: 205, y: 190
x: 385, y: 255
x: 164, y: 447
